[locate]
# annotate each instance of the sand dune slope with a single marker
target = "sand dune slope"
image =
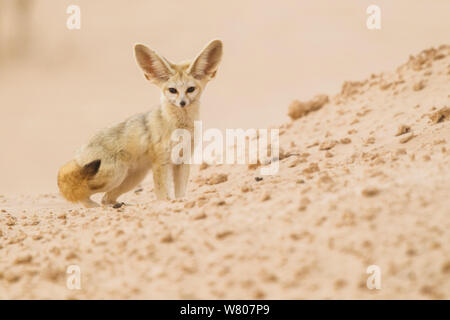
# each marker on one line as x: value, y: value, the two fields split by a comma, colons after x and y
x: 364, y: 180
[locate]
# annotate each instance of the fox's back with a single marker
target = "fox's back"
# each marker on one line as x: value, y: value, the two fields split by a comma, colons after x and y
x: 126, y: 141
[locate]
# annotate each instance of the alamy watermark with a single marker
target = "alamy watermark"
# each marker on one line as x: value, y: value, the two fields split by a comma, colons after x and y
x: 259, y: 150
x: 74, y: 20
x: 373, y: 21
x: 374, y: 280
x: 73, y: 281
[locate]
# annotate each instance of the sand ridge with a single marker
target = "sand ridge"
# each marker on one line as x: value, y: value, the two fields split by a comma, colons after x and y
x: 365, y: 181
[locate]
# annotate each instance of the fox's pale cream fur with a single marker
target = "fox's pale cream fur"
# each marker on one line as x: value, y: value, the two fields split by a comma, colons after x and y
x: 119, y: 157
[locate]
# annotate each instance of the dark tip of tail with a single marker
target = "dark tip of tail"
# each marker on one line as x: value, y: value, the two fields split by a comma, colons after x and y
x: 91, y: 168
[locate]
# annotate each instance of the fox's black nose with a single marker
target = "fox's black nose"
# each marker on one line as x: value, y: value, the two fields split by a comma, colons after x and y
x: 182, y: 103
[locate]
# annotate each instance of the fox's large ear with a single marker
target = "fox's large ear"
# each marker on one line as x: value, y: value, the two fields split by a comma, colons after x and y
x: 156, y: 68
x: 206, y: 63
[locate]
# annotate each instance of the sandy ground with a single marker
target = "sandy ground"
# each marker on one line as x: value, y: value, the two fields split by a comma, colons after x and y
x: 363, y: 180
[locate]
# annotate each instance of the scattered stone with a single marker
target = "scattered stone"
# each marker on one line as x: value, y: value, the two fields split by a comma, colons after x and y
x: 11, y: 222
x: 431, y: 291
x: 189, y: 204
x: 407, y: 137
x: 71, y: 255
x: 370, y: 192
x: 268, y: 276
x: 304, y: 202
x: 440, y: 141
x: 346, y: 140
x: 204, y: 166
x: 11, y: 276
x: 220, y: 202
x: 313, y: 167
x: 167, y: 238
x: 325, y: 179
x: 139, y: 190
x: 23, y: 258
x: 439, y: 56
x: 61, y: 215
x: 347, y: 219
x: 202, y: 202
x: 370, y: 140
x: 442, y: 114
x: 316, y: 143
x: 53, y: 273
x: 55, y: 250
x: 295, y: 162
x: 350, y: 88
x: 265, y: 196
x: 385, y: 85
x: 402, y: 129
x: 446, y: 267
x: 199, y: 216
x: 223, y: 234
x: 339, y: 284
x: 258, y: 179
x: 327, y: 145
x: 419, y: 85
x: 363, y: 113
x: 217, y: 178
x: 298, y: 109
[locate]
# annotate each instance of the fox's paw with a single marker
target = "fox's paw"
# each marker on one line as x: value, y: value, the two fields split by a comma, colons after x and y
x: 108, y: 201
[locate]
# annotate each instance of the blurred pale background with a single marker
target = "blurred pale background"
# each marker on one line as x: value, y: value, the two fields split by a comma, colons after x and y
x: 58, y: 86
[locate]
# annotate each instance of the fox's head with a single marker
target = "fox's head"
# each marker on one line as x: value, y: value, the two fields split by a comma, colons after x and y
x: 180, y: 84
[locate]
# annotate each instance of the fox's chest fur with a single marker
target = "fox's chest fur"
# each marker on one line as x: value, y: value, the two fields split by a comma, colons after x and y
x: 163, y: 123
x: 140, y: 140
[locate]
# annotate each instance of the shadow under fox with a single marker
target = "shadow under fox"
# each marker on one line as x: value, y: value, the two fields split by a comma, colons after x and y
x: 119, y: 157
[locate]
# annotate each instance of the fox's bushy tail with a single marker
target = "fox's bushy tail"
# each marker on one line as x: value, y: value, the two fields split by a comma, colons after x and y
x: 73, y: 179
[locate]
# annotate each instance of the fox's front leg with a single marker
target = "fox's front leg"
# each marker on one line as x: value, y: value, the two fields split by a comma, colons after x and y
x: 181, y: 178
x: 163, y: 181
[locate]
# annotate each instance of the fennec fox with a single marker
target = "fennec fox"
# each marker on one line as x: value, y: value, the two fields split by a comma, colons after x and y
x: 118, y: 158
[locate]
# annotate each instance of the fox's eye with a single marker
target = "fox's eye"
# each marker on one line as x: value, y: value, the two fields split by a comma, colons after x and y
x: 190, y: 89
x: 173, y: 90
